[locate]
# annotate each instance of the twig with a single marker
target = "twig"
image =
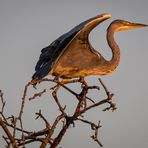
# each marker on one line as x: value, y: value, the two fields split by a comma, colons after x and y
x: 58, y: 103
x: 18, y: 129
x: 45, y: 135
x: 31, y: 141
x: 37, y: 94
x: 47, y: 139
x: 58, y: 139
x: 3, y: 125
x: 23, y: 100
x: 39, y: 114
x: 70, y: 120
x: 41, y: 93
x: 95, y: 136
x: 14, y: 120
x: 3, y: 102
x: 109, y: 97
x: 21, y: 112
x: 95, y: 128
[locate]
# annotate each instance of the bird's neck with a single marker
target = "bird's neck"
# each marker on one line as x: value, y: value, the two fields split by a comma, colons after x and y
x: 114, y: 62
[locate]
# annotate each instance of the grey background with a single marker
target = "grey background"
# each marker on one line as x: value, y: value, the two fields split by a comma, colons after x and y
x: 26, y: 26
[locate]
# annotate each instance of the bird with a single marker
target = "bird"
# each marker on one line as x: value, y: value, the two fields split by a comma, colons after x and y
x: 72, y: 55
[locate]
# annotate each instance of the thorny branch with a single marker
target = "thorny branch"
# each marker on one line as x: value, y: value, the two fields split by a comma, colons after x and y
x: 39, y: 114
x: 46, y: 135
x: 95, y: 128
x: 2, y: 101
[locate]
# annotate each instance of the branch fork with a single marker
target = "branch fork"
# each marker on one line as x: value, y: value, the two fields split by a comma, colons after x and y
x: 46, y: 136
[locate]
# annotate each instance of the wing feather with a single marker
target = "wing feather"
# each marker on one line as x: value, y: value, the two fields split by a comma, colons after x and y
x: 50, y: 53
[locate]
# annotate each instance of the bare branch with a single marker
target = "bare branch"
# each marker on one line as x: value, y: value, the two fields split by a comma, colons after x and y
x: 39, y: 114
x: 23, y: 100
x: 58, y: 103
x: 3, y: 102
x: 48, y: 138
x: 95, y: 128
x: 37, y: 94
x: 3, y: 125
x: 45, y: 135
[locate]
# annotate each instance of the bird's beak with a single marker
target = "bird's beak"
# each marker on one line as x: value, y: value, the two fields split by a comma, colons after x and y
x: 131, y: 26
x: 136, y: 25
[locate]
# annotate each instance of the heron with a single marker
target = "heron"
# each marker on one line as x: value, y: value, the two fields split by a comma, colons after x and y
x: 72, y: 55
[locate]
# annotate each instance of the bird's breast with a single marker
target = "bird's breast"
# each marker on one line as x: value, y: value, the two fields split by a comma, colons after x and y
x: 75, y: 72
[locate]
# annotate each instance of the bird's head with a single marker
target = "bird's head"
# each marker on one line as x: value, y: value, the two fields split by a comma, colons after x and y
x: 120, y: 25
